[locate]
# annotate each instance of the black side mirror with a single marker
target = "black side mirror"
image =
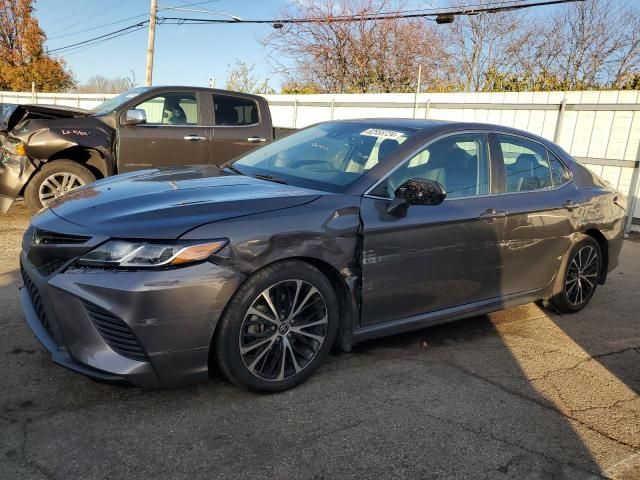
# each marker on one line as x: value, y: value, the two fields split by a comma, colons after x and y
x: 417, y: 191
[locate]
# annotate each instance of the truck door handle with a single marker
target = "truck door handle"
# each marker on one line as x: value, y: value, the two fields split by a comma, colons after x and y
x: 256, y: 139
x: 490, y: 214
x: 570, y: 205
x: 194, y: 138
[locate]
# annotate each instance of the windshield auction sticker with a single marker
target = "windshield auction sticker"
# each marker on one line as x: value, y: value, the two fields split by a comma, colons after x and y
x: 379, y: 132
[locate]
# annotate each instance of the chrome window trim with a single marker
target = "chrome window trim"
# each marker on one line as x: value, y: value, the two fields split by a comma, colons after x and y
x: 548, y: 151
x: 162, y: 125
x: 487, y: 132
x: 424, y: 147
x: 237, y: 126
x: 194, y: 126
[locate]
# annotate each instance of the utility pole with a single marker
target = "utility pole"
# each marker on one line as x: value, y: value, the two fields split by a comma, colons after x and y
x: 152, y: 39
x: 418, y: 87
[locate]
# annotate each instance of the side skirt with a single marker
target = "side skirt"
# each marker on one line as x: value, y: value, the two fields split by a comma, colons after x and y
x: 416, y: 322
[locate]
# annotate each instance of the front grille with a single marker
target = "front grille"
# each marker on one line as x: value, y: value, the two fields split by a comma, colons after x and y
x: 36, y: 301
x: 115, y: 332
x: 52, y: 266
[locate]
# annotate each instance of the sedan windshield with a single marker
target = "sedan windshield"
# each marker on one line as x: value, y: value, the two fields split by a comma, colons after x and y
x: 115, y: 102
x: 328, y: 156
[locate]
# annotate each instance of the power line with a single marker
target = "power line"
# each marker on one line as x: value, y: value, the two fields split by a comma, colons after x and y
x: 106, y: 36
x: 460, y: 11
x: 97, y: 27
x: 100, y: 12
x: 491, y: 7
x: 88, y: 46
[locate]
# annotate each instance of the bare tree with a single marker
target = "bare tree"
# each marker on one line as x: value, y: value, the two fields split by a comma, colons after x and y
x: 102, y: 84
x: 590, y: 44
x: 380, y: 55
x: 241, y: 78
x: 482, y: 43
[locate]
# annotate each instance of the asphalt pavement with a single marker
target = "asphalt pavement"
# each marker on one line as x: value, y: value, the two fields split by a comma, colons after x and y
x: 521, y: 393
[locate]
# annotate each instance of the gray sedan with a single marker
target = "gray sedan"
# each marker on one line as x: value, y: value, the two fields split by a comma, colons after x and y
x: 339, y: 233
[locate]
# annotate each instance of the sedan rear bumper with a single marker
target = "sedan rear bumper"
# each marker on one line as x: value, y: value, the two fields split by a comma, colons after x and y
x: 146, y: 328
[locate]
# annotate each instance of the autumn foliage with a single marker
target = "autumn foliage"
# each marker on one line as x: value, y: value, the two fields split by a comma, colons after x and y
x: 22, y: 56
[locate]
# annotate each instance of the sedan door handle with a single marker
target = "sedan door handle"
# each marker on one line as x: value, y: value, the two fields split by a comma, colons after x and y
x: 194, y: 138
x: 490, y: 214
x: 570, y: 205
x: 256, y: 139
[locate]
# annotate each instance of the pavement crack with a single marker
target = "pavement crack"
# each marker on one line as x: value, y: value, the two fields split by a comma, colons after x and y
x: 503, y: 441
x: 25, y: 458
x: 540, y: 403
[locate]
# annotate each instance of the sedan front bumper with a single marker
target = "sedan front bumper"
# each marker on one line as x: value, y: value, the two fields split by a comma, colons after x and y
x: 147, y: 328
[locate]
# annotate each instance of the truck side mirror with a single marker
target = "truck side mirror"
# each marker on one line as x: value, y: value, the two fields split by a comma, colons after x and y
x: 135, y: 116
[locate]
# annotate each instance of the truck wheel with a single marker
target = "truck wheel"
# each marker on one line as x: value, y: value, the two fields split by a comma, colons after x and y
x: 53, y: 180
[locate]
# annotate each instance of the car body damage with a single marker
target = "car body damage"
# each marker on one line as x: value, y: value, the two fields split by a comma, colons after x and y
x: 64, y: 138
x: 327, y: 238
x: 145, y: 127
x: 33, y: 134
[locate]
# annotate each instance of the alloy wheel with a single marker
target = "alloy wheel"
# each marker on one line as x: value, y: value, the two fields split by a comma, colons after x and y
x: 57, y: 184
x: 582, y: 275
x: 283, y: 330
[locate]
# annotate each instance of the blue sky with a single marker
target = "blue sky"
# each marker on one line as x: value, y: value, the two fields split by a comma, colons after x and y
x: 185, y: 54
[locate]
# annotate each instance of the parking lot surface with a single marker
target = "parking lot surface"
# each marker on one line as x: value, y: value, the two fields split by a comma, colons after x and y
x: 520, y: 393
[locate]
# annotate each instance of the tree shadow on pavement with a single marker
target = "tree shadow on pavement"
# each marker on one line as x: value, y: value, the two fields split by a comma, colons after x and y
x: 488, y: 376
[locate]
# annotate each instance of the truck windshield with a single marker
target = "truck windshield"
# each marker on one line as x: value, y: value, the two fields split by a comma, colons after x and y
x: 115, y: 102
x: 329, y: 156
x: 6, y: 109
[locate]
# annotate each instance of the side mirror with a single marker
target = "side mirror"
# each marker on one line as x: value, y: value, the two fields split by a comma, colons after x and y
x: 135, y: 117
x: 417, y: 191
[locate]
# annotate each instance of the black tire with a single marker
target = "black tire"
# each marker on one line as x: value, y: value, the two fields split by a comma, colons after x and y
x: 282, y: 348
x: 578, y: 277
x: 57, y: 167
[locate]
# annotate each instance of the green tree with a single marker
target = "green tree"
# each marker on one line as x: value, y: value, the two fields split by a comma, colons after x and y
x: 22, y: 56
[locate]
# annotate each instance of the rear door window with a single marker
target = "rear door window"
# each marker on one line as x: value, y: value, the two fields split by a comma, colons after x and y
x: 232, y: 111
x: 526, y: 165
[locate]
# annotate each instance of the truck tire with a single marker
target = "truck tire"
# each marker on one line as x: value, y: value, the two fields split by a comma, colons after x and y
x: 53, y: 180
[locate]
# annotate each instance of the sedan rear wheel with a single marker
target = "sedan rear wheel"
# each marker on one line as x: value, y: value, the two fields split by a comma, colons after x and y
x: 582, y: 275
x: 278, y: 328
x: 577, y: 281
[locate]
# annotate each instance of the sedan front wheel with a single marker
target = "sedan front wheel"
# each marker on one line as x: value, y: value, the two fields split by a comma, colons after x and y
x: 278, y: 328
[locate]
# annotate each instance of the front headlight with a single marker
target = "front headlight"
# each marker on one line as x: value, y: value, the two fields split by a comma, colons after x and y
x: 121, y: 253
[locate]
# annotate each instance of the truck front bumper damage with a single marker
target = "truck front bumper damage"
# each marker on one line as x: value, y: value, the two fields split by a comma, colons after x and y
x: 15, y: 172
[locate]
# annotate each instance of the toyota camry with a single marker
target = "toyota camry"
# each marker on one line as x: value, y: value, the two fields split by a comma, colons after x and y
x: 339, y: 233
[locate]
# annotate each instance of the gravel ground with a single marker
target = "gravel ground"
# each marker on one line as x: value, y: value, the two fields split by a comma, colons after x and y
x: 517, y: 394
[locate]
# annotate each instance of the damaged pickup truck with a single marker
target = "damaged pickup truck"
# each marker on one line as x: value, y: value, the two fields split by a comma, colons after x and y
x: 47, y: 151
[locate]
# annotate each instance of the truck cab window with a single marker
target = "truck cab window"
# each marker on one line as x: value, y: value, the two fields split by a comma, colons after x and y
x: 171, y: 109
x: 234, y: 111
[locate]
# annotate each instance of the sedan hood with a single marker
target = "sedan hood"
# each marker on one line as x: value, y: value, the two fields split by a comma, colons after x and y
x: 166, y: 203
